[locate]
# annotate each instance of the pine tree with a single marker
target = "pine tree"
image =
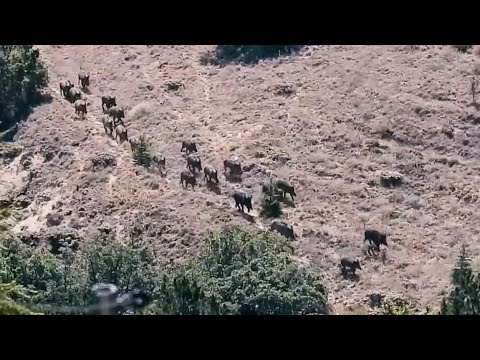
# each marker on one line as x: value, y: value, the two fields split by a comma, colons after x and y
x: 465, y: 297
x: 142, y: 156
x: 271, y: 207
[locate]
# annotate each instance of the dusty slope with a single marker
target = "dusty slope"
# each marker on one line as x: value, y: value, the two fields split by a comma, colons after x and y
x: 321, y: 138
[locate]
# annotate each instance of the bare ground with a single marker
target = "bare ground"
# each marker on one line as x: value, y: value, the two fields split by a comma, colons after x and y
x: 356, y: 111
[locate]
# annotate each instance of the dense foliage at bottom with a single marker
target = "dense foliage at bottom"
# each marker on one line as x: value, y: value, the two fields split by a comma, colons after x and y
x: 236, y: 272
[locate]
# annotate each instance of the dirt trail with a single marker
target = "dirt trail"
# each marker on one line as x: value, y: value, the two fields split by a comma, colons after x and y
x: 356, y: 111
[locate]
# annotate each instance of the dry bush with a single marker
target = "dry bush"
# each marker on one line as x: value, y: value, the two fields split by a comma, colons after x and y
x: 281, y: 90
x: 102, y: 161
x: 414, y: 202
x: 140, y: 110
x: 130, y: 195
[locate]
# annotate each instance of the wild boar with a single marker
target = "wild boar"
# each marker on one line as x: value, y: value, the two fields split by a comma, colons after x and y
x: 210, y: 173
x: 186, y: 177
x: 283, y: 229
x: 349, y: 266
x: 189, y: 147
x: 193, y: 163
x: 284, y: 187
x: 242, y: 199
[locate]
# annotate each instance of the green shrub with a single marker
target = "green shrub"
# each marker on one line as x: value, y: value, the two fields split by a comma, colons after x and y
x: 142, y: 156
x: 271, y: 207
x: 246, y: 54
x: 396, y: 307
x: 22, y: 75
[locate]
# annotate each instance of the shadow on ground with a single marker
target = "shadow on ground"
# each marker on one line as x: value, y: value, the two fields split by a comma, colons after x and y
x: 246, y: 54
x: 213, y: 188
x: 233, y: 178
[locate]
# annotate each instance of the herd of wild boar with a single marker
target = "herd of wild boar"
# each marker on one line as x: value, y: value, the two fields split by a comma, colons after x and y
x: 113, y: 124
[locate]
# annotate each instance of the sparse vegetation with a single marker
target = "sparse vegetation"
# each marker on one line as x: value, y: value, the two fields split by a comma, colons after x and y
x: 142, y: 155
x: 464, y: 299
x: 247, y: 54
x: 22, y: 75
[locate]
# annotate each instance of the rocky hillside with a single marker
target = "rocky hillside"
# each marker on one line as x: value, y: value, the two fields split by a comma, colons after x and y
x: 332, y: 120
